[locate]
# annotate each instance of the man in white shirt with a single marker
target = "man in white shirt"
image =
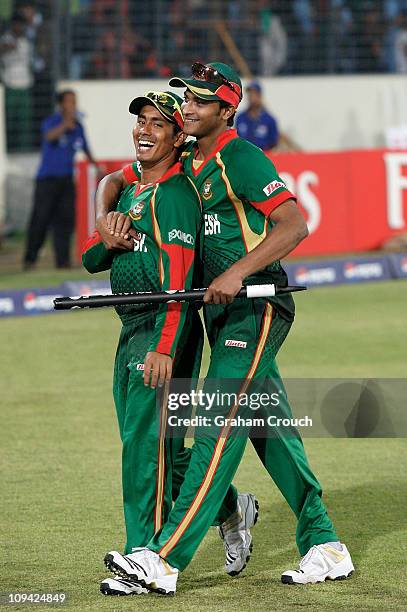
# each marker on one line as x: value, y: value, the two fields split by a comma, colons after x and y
x: 16, y: 75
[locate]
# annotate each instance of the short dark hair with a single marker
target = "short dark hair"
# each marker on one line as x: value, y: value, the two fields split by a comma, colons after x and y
x: 231, y: 120
x: 60, y: 95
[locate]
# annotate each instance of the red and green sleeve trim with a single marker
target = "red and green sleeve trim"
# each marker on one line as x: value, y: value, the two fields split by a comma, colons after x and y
x: 267, y: 206
x: 178, y: 267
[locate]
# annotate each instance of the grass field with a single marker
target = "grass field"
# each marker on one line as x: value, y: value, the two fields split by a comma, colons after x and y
x: 61, y: 499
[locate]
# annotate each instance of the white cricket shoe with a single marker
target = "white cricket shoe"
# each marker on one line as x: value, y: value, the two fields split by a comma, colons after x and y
x: 330, y: 561
x: 146, y: 568
x: 119, y: 586
x: 235, y: 533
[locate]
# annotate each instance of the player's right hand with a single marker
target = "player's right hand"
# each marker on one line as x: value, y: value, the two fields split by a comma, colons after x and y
x: 157, y: 369
x: 112, y: 242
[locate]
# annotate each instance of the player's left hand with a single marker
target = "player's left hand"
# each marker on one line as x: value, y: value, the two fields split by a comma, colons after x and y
x: 157, y: 369
x: 223, y: 289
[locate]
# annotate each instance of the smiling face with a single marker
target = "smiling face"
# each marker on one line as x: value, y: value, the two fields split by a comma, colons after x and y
x: 154, y: 137
x: 203, y: 117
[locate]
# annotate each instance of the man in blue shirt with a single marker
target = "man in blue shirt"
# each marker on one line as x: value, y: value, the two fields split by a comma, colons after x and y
x: 258, y: 126
x: 54, y: 197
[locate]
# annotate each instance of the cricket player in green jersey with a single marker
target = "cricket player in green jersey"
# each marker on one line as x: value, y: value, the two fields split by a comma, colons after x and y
x: 155, y: 342
x: 251, y: 222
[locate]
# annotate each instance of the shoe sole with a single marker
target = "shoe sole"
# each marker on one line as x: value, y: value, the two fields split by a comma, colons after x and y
x: 234, y: 573
x: 112, y: 566
x: 289, y: 579
x: 106, y: 590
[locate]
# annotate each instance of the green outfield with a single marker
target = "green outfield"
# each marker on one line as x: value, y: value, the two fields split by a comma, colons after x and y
x: 61, y: 500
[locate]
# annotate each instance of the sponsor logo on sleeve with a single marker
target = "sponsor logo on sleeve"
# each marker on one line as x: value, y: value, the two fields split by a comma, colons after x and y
x: 236, y: 343
x: 273, y: 186
x: 180, y: 235
x: 140, y: 366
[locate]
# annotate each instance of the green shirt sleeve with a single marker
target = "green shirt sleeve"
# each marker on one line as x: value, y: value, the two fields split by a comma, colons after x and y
x: 178, y: 217
x: 254, y: 178
x: 95, y: 256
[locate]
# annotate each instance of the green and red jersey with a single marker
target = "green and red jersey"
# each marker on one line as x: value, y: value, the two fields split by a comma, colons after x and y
x: 167, y: 217
x: 240, y: 188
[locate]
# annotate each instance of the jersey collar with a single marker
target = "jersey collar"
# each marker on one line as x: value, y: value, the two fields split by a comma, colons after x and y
x: 221, y: 141
x: 172, y: 170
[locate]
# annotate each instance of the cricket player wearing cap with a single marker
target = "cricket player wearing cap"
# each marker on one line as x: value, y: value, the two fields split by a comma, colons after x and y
x: 251, y: 222
x: 165, y: 214
x: 165, y: 210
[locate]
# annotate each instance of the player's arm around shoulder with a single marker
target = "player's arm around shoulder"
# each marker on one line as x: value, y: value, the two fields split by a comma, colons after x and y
x: 114, y: 227
x: 95, y: 256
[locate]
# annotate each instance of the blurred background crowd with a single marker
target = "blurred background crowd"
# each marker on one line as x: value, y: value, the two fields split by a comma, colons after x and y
x: 44, y: 41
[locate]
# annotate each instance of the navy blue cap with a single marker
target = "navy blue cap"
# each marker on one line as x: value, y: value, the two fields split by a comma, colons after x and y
x: 254, y: 85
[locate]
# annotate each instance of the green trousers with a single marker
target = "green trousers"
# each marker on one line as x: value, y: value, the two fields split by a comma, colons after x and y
x: 153, y: 462
x: 245, y: 338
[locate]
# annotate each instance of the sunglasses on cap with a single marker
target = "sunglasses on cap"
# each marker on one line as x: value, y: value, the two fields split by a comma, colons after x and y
x: 201, y: 72
x: 163, y: 99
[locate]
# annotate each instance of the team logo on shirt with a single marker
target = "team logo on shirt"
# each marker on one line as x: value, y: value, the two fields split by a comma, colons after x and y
x: 135, y: 212
x: 207, y: 190
x: 268, y: 189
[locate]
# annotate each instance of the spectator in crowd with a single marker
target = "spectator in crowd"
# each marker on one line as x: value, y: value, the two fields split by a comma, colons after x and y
x: 273, y: 40
x: 54, y: 196
x: 243, y: 26
x: 400, y: 44
x: 370, y: 36
x: 340, y: 38
x: 17, y: 77
x: 393, y: 8
x: 121, y: 52
x: 34, y: 21
x: 258, y: 126
x: 305, y: 37
x: 38, y: 32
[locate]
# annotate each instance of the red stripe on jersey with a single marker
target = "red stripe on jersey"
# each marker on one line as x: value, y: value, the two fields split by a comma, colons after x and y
x: 91, y: 241
x: 170, y: 327
x: 267, y: 206
x: 181, y: 260
x: 129, y: 174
